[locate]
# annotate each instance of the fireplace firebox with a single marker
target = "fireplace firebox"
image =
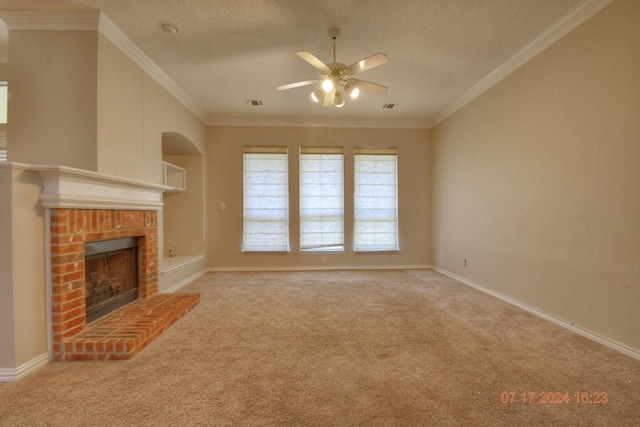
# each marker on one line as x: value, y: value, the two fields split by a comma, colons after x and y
x: 111, y: 275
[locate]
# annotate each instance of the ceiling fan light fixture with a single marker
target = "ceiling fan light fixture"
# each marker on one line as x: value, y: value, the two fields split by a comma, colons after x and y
x: 352, y: 90
x: 316, y: 94
x: 328, y: 85
x: 335, y: 80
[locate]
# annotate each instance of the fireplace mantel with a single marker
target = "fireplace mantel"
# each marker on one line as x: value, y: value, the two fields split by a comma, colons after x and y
x: 81, y: 189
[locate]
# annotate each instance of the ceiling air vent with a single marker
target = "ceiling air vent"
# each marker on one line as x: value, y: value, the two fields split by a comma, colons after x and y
x: 254, y: 102
x: 389, y: 106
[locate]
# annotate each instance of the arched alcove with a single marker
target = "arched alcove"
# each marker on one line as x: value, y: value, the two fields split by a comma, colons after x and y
x: 183, y: 234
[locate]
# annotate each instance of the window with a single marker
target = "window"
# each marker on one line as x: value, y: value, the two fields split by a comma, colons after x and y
x: 321, y: 199
x: 3, y: 120
x: 3, y: 102
x: 375, y: 199
x: 266, y: 199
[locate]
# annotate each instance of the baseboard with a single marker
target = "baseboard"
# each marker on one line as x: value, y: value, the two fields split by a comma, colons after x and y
x: 13, y: 375
x: 185, y: 282
x: 171, y: 265
x: 631, y: 352
x: 319, y: 268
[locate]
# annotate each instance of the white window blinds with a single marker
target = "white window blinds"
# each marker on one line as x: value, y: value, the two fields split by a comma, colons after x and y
x: 266, y: 199
x: 321, y: 199
x: 375, y: 199
x: 3, y: 102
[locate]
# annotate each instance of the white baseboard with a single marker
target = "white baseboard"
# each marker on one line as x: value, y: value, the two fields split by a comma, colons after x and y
x: 631, y: 352
x: 185, y: 282
x: 13, y: 375
x: 319, y: 268
x: 171, y: 265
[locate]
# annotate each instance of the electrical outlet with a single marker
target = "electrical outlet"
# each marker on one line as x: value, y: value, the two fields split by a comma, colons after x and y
x: 465, y: 262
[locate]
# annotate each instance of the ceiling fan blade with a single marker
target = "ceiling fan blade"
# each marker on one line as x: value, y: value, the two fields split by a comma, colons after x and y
x: 368, y: 86
x: 329, y: 99
x: 308, y: 56
x: 297, y: 84
x: 367, y: 63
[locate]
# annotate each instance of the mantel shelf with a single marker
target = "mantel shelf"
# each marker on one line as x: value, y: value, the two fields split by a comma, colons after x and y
x: 77, y: 188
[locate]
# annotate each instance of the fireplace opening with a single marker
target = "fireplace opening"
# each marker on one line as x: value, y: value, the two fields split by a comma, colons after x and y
x: 111, y: 275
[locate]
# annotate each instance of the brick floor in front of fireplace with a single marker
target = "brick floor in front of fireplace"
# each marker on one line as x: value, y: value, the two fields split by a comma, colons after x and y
x: 125, y: 332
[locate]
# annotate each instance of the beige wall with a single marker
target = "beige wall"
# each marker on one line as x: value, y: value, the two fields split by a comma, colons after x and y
x: 7, y: 333
x: 52, y: 101
x: 23, y: 333
x: 183, y: 213
x: 537, y: 182
x: 224, y: 183
x: 133, y: 113
x: 76, y: 101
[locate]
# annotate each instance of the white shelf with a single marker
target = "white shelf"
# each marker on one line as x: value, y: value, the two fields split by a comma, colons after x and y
x: 174, y: 177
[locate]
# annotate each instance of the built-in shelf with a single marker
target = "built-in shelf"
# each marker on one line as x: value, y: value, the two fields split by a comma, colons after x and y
x: 174, y: 177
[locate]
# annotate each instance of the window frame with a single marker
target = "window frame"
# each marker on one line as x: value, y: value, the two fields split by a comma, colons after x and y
x: 305, y: 243
x: 358, y: 218
x: 250, y: 245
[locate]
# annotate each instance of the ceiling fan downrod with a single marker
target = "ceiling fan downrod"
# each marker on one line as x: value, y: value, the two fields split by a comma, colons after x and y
x: 334, y: 33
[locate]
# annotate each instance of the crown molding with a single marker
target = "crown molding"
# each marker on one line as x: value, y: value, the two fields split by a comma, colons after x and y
x: 94, y: 20
x: 576, y: 17
x: 78, y: 20
x: 307, y: 122
x: 112, y: 33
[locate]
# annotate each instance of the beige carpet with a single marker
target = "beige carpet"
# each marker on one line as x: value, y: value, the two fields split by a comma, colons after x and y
x: 371, y: 348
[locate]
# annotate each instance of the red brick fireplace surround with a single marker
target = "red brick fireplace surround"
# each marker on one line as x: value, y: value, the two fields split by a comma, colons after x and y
x: 86, y: 206
x: 70, y: 229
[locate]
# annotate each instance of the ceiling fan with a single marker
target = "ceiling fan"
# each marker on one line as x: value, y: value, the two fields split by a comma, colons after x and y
x: 337, y: 78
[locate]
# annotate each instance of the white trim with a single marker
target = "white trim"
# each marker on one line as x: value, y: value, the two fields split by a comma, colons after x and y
x: 14, y: 165
x: 185, y: 282
x: 112, y: 33
x: 319, y: 268
x: 13, y: 375
x: 631, y: 352
x: 93, y: 20
x: 81, y: 189
x: 576, y: 17
x: 179, y: 262
x: 48, y: 279
x: 320, y: 123
x: 78, y: 20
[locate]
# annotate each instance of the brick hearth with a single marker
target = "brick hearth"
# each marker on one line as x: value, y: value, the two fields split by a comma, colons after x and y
x: 123, y: 333
x: 70, y: 229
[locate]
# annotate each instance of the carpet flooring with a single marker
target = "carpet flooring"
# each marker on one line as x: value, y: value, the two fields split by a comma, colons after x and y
x: 341, y: 348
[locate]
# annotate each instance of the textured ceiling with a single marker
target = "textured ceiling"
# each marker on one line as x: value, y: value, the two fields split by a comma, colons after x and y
x: 229, y: 52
